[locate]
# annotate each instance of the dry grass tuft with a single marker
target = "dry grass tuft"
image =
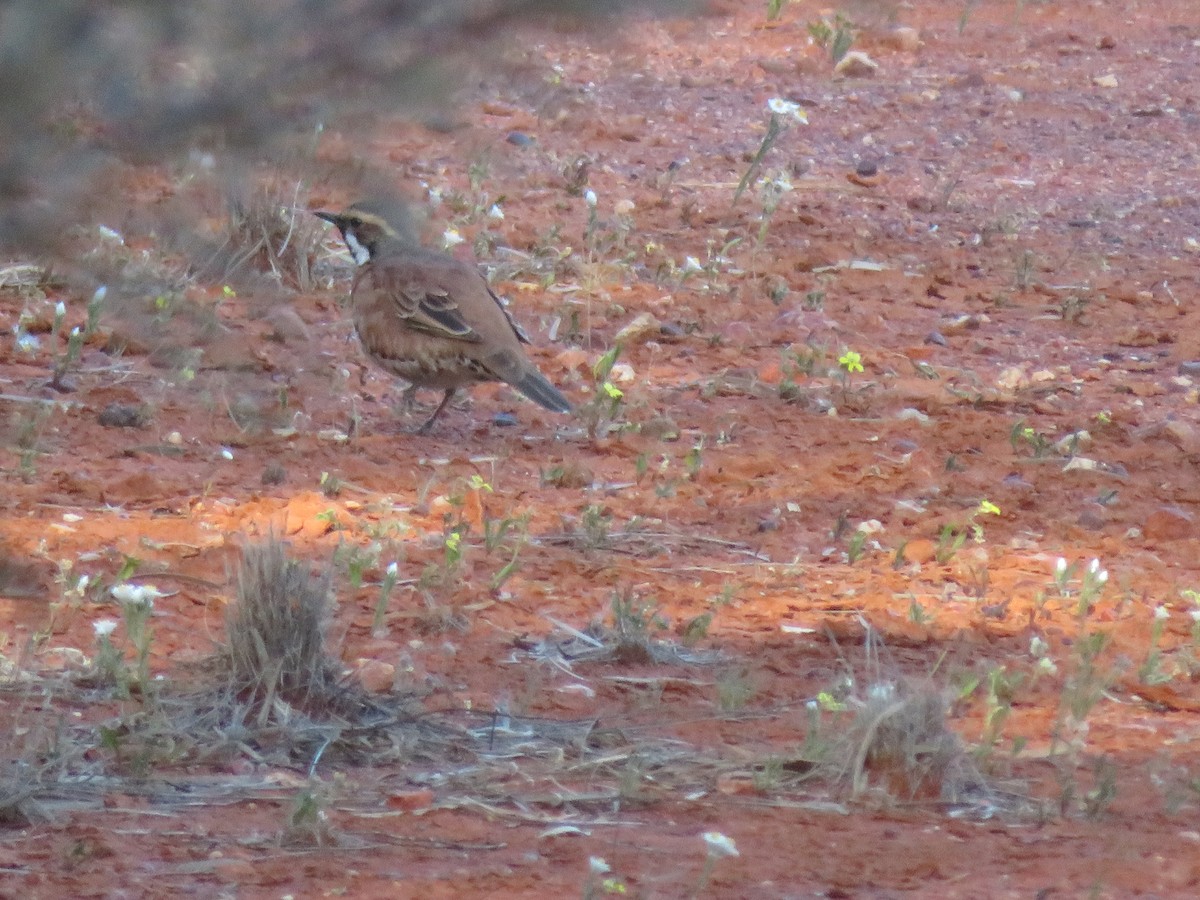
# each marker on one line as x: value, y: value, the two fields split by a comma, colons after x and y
x: 901, y: 742
x: 275, y: 635
x: 898, y: 743
x: 269, y: 231
x: 40, y: 756
x: 637, y: 636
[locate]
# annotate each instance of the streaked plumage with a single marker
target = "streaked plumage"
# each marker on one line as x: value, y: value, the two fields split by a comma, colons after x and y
x: 431, y: 319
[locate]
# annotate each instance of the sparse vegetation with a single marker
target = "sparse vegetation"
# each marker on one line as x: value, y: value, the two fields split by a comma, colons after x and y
x: 754, y: 582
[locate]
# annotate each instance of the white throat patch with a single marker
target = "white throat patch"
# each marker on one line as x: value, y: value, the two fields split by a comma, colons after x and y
x: 360, y: 253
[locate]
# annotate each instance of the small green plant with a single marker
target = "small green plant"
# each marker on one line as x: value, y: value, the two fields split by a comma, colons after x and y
x: 386, y: 586
x: 511, y: 534
x: 440, y: 579
x: 604, y: 408
x: 331, y: 485
x: 27, y: 427
x: 1193, y: 597
x: 771, y: 193
x: 767, y: 776
x: 837, y: 36
x: 782, y: 114
x: 1091, y: 578
x: 1150, y: 671
x: 954, y: 535
x: 917, y: 613
x: 858, y: 542
x: 95, y: 309
x: 635, y: 622
x: 774, y: 9
x: 137, y: 604
x: 307, y: 821
x: 1023, y: 435
x: 497, y: 531
x: 965, y: 16
x: 65, y: 360
x: 1088, y: 675
x: 595, y: 527
x: 734, y: 690
x: 696, y: 629
x: 356, y: 559
x: 109, y: 664
x: 694, y: 459
x: 1001, y: 689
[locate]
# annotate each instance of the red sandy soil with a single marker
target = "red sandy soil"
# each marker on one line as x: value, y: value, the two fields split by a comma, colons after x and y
x: 1001, y: 223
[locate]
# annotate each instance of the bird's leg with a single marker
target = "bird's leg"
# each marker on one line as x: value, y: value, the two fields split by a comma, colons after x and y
x: 424, y: 429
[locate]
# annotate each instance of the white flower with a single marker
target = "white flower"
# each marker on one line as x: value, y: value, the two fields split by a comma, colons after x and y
x: 135, y: 594
x: 1060, y: 568
x: 101, y: 293
x: 781, y: 184
x: 495, y: 212
x: 451, y: 238
x: 1046, y: 666
x: 1161, y: 614
x: 781, y: 107
x: 1102, y: 576
x: 392, y: 570
x: 226, y: 453
x: 82, y: 583
x: 1037, y: 646
x: 60, y: 310
x: 691, y: 264
x: 1195, y: 614
x: 719, y: 845
x: 104, y: 627
x: 598, y: 866
x: 881, y: 692
x: 1094, y: 566
x: 28, y: 343
x: 75, y: 331
x: 589, y: 197
x: 124, y: 593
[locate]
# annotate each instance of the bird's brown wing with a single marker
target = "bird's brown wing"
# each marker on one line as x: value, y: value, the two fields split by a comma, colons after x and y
x: 433, y: 311
x: 439, y: 295
x: 424, y: 292
x: 520, y: 332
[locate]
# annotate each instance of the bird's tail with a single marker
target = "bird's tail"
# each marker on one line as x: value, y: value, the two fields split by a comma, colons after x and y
x: 533, y: 384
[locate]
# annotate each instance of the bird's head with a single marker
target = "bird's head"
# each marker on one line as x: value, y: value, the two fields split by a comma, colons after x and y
x: 364, y: 230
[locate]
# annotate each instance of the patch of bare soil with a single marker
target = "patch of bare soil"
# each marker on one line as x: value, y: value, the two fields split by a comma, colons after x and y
x: 791, y: 575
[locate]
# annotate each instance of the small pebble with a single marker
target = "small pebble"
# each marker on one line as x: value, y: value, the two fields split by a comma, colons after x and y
x: 867, y: 168
x: 519, y: 139
x: 504, y: 420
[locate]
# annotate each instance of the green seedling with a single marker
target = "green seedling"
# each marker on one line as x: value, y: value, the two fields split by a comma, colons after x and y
x: 782, y: 114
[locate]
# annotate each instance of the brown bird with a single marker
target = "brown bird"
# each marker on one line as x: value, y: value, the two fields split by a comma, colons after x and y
x: 429, y: 318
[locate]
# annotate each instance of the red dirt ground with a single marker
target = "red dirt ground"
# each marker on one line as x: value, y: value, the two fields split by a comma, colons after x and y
x: 1002, y: 223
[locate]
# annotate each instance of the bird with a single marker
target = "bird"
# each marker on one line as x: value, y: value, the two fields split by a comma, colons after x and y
x: 430, y: 318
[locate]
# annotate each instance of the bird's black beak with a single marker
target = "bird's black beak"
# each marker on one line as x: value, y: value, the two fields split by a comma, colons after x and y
x: 327, y: 216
